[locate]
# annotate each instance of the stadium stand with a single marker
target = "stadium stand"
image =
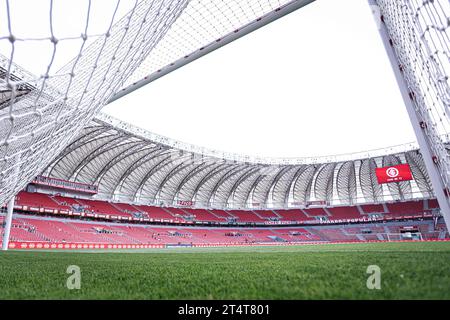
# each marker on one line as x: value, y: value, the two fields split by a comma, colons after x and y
x: 246, y: 216
x: 315, y: 212
x: 405, y: 208
x: 101, y: 207
x: 29, y: 229
x: 40, y: 202
x: 344, y: 213
x: 70, y: 203
x: 267, y: 214
x: 292, y: 215
x: 372, y: 208
x: 202, y: 215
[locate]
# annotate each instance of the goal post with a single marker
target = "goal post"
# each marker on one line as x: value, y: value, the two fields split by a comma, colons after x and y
x: 416, y: 38
x: 407, y: 236
x: 216, y: 44
x: 7, y: 224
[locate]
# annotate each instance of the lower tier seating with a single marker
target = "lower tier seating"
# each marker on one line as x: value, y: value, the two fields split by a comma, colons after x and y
x: 55, y: 230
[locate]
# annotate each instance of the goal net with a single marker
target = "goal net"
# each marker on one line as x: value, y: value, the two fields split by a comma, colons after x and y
x: 409, y: 236
x: 62, y: 61
x: 42, y: 114
x: 419, y: 32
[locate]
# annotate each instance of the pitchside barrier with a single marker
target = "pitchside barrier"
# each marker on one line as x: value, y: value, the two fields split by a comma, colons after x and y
x: 92, y: 246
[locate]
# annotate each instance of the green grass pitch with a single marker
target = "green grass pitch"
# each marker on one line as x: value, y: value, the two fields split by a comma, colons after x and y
x: 408, y: 271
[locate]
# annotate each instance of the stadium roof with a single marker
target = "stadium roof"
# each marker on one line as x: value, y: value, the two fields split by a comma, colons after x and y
x: 130, y: 164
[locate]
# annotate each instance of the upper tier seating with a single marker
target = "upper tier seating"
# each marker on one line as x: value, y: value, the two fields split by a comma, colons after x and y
x: 158, y: 213
x: 433, y: 204
x: 344, y: 213
x: 405, y: 208
x: 315, y: 212
x: 246, y: 216
x: 372, y: 208
x: 128, y: 209
x: 221, y: 214
x: 203, y: 215
x: 267, y: 214
x: 293, y: 215
x: 66, y: 201
x: 102, y: 207
x: 39, y: 201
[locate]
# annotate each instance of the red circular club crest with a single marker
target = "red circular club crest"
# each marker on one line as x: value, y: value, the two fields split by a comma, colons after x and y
x: 392, y: 172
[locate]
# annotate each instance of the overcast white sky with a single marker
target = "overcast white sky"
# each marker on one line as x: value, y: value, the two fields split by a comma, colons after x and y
x: 316, y: 82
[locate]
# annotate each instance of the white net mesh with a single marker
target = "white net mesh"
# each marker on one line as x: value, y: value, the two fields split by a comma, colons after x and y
x: 203, y: 22
x: 38, y: 121
x: 420, y: 34
x: 40, y: 115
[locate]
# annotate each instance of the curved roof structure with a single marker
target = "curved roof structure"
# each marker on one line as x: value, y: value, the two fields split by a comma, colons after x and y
x: 129, y: 164
x: 40, y: 115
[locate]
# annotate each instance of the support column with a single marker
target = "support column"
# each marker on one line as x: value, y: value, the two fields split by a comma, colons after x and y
x: 8, y: 222
x: 425, y: 143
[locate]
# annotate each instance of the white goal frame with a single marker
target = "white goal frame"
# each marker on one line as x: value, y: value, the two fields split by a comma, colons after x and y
x: 420, y: 119
x: 400, y: 235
